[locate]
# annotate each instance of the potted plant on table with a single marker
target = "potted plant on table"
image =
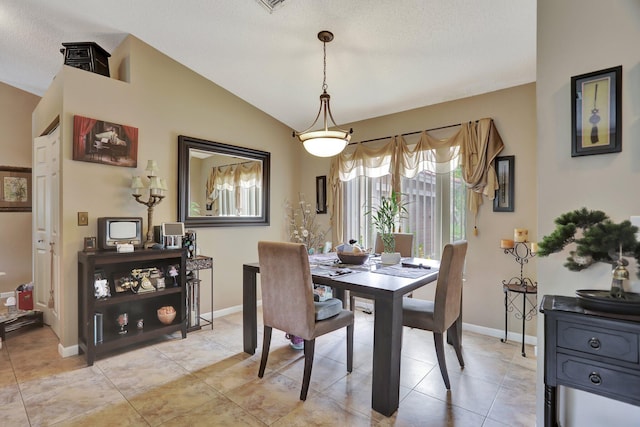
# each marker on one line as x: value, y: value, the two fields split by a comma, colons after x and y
x: 385, y: 218
x: 602, y: 240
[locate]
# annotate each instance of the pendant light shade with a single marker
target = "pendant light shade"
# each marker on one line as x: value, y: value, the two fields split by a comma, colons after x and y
x: 324, y: 142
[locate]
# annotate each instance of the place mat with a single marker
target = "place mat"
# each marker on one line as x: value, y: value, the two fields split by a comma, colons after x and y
x: 331, y: 272
x: 399, y: 271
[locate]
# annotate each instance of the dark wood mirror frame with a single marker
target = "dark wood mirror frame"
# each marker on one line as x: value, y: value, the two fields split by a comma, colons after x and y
x: 185, y: 144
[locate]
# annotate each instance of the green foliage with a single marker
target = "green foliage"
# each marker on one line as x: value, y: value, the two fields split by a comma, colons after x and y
x: 384, y: 218
x: 602, y: 240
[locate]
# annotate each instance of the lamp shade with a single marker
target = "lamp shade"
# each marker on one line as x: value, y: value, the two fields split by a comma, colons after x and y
x: 152, y: 168
x: 136, y: 184
x: 325, y: 143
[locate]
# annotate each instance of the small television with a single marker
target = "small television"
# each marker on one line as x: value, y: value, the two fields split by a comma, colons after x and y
x: 113, y: 231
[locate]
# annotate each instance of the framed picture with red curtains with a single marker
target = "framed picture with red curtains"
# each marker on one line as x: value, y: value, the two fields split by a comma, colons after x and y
x: 109, y: 143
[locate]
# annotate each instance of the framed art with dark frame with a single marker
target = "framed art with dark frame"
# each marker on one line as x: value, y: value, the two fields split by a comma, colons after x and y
x: 15, y: 189
x: 321, y: 194
x: 596, y: 114
x: 505, y: 169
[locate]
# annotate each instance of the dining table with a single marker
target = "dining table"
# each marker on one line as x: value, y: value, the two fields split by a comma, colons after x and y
x: 385, y: 285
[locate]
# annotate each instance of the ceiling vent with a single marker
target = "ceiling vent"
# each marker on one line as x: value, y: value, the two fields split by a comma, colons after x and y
x: 271, y: 5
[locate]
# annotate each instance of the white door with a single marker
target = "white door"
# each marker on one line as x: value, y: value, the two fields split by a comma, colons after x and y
x: 46, y: 227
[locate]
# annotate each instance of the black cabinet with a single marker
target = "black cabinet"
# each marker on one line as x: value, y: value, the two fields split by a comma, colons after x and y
x: 124, y: 318
x: 87, y: 56
x: 591, y: 351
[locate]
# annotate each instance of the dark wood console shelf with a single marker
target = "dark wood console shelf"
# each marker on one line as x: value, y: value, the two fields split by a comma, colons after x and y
x: 94, y: 340
x: 593, y: 351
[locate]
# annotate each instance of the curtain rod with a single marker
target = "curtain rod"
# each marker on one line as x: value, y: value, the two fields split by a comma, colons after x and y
x: 407, y: 134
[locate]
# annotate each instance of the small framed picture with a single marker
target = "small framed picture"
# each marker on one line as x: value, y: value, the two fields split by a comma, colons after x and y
x: 504, y: 198
x: 596, y: 112
x: 89, y: 244
x: 321, y: 194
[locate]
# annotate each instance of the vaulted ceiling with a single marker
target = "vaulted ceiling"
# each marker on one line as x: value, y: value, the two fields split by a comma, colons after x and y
x: 387, y: 56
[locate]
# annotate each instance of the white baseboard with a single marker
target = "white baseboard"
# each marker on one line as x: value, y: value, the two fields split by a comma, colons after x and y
x: 68, y: 351
x: 499, y: 333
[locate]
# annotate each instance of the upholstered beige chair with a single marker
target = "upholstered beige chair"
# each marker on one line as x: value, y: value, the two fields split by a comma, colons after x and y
x: 438, y: 315
x: 404, y: 245
x: 287, y: 304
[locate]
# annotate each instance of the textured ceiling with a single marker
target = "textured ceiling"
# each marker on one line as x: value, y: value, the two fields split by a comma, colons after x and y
x: 387, y: 56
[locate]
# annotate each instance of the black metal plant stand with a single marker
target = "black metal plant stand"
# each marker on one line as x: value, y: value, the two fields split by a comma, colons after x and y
x: 520, y: 285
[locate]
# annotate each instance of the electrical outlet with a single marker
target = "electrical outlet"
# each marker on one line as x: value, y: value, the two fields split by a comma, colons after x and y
x: 83, y: 218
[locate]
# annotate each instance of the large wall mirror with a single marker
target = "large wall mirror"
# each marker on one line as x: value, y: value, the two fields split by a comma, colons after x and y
x: 221, y: 184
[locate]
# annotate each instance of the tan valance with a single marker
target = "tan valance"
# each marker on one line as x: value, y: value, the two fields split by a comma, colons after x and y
x: 475, y: 144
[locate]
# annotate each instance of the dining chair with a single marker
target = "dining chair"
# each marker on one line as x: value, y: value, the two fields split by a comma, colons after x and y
x: 442, y: 313
x: 287, y: 304
x: 404, y: 245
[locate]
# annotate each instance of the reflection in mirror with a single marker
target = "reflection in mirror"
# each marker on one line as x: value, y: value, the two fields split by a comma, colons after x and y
x: 221, y: 184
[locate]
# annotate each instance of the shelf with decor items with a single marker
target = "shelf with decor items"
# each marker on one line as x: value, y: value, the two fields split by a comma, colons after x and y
x: 519, y: 286
x: 123, y: 298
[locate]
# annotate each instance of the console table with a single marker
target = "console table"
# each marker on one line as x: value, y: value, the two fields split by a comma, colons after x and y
x: 592, y: 351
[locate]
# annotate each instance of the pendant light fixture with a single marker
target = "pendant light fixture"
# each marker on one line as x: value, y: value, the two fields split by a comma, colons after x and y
x: 324, y: 142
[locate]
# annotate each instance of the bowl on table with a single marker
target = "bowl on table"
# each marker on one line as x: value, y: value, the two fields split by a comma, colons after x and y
x: 353, y: 258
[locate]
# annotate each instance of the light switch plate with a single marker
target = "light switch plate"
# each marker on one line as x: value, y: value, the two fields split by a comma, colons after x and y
x: 83, y: 218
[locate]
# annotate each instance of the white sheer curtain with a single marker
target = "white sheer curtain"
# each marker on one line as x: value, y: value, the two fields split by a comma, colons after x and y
x: 475, y: 145
x: 234, y: 190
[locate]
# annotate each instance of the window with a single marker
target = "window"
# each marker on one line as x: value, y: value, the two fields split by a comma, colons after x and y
x: 436, y: 205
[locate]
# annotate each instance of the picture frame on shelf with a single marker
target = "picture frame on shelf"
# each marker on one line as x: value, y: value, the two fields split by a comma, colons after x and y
x: 89, y: 244
x: 504, y: 197
x: 15, y: 189
x: 596, y: 112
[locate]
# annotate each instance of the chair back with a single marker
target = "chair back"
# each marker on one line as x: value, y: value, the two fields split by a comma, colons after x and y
x: 404, y: 244
x: 449, y: 287
x: 287, y: 287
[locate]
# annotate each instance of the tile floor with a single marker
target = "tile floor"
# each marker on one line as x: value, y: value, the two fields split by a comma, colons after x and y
x: 207, y: 380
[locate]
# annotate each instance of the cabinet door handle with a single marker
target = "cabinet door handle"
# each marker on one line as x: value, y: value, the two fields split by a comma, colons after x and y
x: 594, y: 377
x: 594, y: 343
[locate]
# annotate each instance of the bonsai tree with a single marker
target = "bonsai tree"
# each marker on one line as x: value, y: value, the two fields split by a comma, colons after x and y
x: 385, y: 217
x: 602, y: 240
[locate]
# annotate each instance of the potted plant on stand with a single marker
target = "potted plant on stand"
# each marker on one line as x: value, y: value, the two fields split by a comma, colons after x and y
x: 385, y: 218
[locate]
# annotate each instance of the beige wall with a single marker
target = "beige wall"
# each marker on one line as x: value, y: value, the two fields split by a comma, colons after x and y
x: 15, y: 150
x: 163, y: 99
x: 513, y: 111
x: 577, y: 37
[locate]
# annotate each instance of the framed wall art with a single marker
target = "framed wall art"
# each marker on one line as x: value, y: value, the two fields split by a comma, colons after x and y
x: 504, y: 198
x: 596, y: 114
x: 15, y: 189
x: 321, y: 194
x: 109, y: 143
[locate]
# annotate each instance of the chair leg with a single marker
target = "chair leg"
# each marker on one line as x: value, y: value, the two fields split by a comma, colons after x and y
x: 350, y: 348
x: 455, y: 341
x: 438, y: 339
x: 309, y: 348
x: 352, y: 302
x: 266, y: 343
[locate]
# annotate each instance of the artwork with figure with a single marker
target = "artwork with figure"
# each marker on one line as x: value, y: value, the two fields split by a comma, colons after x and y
x: 98, y: 141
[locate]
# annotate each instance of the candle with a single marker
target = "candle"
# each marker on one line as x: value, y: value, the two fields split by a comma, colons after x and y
x: 534, y: 247
x: 520, y: 234
x: 506, y: 244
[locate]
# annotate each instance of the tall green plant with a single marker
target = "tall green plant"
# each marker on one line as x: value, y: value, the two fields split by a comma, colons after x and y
x: 385, y: 217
